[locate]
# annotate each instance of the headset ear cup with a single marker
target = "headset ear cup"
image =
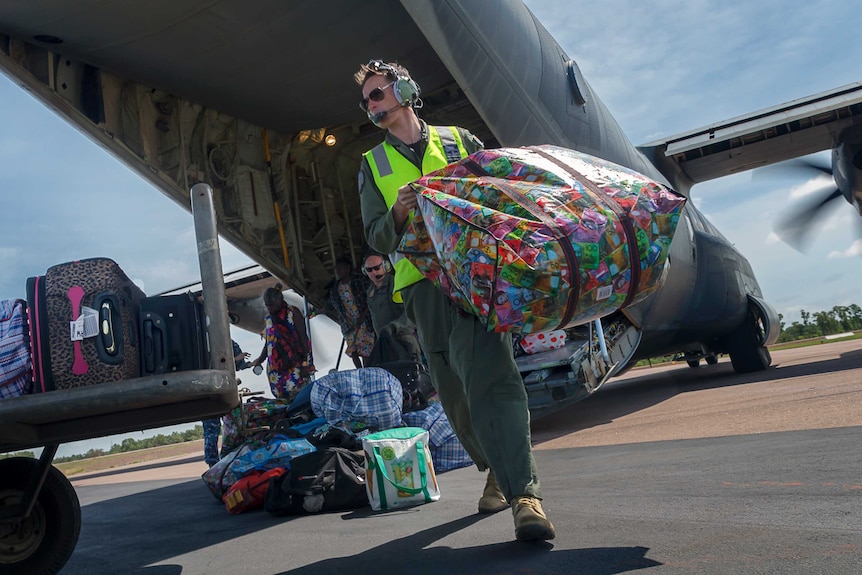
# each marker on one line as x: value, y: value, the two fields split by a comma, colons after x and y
x: 387, y: 265
x: 406, y: 91
x: 364, y: 271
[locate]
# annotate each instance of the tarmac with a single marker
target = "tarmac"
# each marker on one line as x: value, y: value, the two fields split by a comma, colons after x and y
x: 665, y: 470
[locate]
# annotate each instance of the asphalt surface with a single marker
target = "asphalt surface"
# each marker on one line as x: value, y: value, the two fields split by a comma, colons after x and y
x: 667, y: 470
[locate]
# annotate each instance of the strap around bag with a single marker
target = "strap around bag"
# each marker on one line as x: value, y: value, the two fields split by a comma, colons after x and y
x: 420, y: 461
x: 528, y: 204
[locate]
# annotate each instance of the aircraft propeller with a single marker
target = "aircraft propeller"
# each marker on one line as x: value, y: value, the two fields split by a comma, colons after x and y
x: 795, y: 226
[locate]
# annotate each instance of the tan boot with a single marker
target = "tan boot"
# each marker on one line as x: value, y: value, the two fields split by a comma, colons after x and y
x: 492, y: 499
x: 531, y: 523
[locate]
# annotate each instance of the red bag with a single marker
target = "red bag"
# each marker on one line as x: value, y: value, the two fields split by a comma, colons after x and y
x: 250, y: 491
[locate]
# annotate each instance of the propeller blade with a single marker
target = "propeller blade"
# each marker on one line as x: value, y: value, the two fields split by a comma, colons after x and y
x: 797, y: 168
x: 794, y: 228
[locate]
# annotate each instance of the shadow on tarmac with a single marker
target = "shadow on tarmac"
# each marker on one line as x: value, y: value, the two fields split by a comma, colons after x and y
x: 623, y: 397
x: 129, y: 534
x: 409, y: 555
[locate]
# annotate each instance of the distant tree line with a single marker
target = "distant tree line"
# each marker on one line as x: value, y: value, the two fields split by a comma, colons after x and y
x: 839, y: 319
x: 128, y: 444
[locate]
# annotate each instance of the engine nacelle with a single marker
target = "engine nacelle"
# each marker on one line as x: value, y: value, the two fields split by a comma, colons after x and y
x: 847, y: 165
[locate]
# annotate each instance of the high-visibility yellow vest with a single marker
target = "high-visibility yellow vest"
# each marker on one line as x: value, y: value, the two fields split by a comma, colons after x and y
x: 391, y: 170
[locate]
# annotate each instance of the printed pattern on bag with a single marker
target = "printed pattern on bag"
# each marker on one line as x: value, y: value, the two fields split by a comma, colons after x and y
x: 541, y: 238
x: 15, y: 367
x: 81, y: 363
x: 258, y: 414
x: 255, y: 455
x: 276, y: 453
x: 399, y: 470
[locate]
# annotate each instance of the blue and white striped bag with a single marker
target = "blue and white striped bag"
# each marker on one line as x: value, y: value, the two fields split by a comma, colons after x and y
x: 15, y: 365
x: 365, y: 398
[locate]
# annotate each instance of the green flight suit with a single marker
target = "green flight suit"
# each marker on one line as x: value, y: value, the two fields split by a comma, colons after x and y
x: 383, y: 310
x: 473, y: 370
x: 390, y: 316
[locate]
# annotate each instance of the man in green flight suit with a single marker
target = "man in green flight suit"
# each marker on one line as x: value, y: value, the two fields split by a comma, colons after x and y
x: 473, y: 370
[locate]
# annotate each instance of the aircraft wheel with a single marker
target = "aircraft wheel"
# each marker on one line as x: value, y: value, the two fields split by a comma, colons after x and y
x: 43, y: 542
x: 711, y: 359
x: 693, y: 362
x: 747, y: 352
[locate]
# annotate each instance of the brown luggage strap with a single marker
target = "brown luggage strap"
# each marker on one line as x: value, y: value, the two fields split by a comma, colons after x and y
x: 536, y: 210
x: 625, y: 220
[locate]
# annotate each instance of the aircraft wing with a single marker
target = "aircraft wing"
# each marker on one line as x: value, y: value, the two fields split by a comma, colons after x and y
x: 775, y: 134
x: 245, y: 283
x: 243, y: 288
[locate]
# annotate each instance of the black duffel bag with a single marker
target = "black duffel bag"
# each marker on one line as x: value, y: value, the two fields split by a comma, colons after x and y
x: 331, y: 479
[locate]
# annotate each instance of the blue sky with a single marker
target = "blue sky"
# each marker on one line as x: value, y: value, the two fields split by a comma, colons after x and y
x: 662, y: 67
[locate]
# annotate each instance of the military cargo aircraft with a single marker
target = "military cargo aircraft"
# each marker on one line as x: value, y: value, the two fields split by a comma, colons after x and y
x: 186, y: 94
x: 256, y: 100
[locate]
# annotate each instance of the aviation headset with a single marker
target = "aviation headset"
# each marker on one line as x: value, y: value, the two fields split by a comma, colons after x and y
x: 405, y: 89
x: 387, y: 266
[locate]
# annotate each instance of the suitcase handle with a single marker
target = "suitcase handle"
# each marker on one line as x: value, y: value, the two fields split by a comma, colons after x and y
x: 106, y: 330
x: 154, y: 351
x: 109, y: 341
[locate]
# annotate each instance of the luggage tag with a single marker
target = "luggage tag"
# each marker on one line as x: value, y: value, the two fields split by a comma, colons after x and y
x: 87, y: 325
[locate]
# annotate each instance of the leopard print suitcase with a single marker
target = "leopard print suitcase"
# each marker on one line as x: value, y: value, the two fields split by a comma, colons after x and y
x: 113, y: 353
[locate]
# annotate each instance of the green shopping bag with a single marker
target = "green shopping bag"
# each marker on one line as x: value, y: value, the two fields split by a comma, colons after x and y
x: 398, y: 468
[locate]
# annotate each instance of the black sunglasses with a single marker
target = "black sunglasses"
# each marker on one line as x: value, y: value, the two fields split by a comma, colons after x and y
x: 373, y: 268
x: 376, y: 94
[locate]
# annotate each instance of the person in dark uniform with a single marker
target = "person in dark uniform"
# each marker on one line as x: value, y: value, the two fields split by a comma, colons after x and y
x: 473, y: 370
x: 388, y: 316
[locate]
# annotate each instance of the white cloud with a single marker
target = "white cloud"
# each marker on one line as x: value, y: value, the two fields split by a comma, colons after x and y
x: 817, y: 185
x: 854, y: 250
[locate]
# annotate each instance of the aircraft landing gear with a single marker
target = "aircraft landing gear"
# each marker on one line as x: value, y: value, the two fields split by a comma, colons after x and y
x: 745, y: 345
x: 41, y: 542
x: 693, y: 362
x: 711, y: 359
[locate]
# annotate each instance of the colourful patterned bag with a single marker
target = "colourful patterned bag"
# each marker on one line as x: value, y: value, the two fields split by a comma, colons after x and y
x: 541, y: 238
x: 240, y: 424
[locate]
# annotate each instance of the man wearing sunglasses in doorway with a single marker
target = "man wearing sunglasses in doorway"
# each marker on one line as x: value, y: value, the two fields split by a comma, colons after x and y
x: 473, y: 370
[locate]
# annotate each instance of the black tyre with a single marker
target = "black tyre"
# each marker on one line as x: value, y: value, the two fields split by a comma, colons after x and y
x: 711, y: 359
x: 745, y: 345
x: 43, y: 542
x: 693, y: 362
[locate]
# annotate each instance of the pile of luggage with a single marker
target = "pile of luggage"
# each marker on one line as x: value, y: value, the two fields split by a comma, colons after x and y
x: 85, y: 322
x: 312, y: 454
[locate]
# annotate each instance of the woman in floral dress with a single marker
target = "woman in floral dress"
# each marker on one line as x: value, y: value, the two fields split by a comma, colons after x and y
x: 287, y: 348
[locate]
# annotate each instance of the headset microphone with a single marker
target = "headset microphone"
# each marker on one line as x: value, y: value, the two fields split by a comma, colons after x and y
x: 378, y: 117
